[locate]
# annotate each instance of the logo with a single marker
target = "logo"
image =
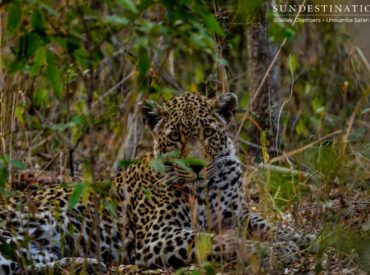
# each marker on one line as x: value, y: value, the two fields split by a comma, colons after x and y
x: 318, y: 13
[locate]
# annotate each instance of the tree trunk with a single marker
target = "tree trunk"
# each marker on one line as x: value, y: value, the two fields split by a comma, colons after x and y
x: 265, y: 107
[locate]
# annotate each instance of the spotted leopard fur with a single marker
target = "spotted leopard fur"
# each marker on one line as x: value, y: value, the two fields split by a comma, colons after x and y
x: 159, y: 217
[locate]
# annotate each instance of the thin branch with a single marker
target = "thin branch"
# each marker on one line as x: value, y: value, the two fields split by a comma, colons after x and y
x: 351, y: 120
x: 285, y: 102
x: 111, y: 90
x: 285, y: 170
x: 299, y: 150
x: 363, y: 59
x: 251, y: 144
x: 42, y: 171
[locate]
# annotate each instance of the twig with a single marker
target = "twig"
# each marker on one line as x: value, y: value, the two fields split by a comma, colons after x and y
x: 41, y: 172
x: 259, y: 89
x: 285, y: 102
x: 246, y: 142
x: 363, y: 59
x: 285, y: 170
x: 31, y: 148
x: 12, y: 130
x: 296, y: 151
x: 121, y: 82
x: 352, y: 118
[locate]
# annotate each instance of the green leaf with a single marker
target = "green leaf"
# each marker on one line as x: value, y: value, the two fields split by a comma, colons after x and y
x: 180, y: 271
x: 19, y: 110
x: 128, y: 4
x: 77, y: 194
x: 8, y: 251
x: 82, y: 57
x: 37, y: 21
x: 203, y: 246
x: 39, y: 61
x: 187, y: 162
x: 50, y: 10
x: 318, y: 268
x: 345, y: 36
x: 4, y: 174
x: 14, y: 17
x: 289, y: 33
x: 209, y: 268
x: 211, y: 23
x: 143, y: 62
x: 116, y: 20
x: 28, y: 44
x: 17, y: 164
x: 60, y: 127
x: 171, y: 154
x: 40, y: 97
x: 157, y: 165
x: 147, y: 192
x: 124, y: 163
x: 78, y: 120
x: 111, y: 206
x: 357, y: 135
x: 53, y: 74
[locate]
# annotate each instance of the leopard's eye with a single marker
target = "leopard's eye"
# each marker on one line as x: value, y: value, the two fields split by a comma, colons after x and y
x: 174, y: 136
x: 208, y: 131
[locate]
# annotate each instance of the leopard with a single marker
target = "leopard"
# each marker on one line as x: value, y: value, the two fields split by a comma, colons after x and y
x: 155, y: 212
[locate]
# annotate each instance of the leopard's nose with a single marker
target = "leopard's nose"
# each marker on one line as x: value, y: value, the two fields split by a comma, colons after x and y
x: 196, y: 168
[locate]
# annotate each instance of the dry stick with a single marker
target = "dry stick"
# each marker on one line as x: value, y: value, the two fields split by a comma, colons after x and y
x: 132, y: 138
x: 363, y: 59
x: 284, y: 170
x: 41, y: 172
x: 256, y: 94
x: 352, y: 118
x: 12, y: 129
x: 31, y: 148
x: 285, y: 102
x: 160, y: 70
x: 121, y: 82
x: 296, y: 151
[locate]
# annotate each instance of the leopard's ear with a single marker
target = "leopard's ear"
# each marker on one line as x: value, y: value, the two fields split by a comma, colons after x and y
x: 225, y: 106
x: 152, y: 113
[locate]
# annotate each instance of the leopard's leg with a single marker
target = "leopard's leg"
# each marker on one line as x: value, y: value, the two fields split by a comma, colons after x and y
x: 228, y: 207
x: 172, y: 246
x: 268, y: 253
x: 176, y: 247
x: 259, y: 228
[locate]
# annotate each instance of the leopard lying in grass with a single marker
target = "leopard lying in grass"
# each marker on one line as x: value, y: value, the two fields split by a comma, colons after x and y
x: 159, y: 217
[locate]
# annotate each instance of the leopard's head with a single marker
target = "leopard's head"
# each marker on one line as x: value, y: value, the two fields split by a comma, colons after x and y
x: 196, y: 128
